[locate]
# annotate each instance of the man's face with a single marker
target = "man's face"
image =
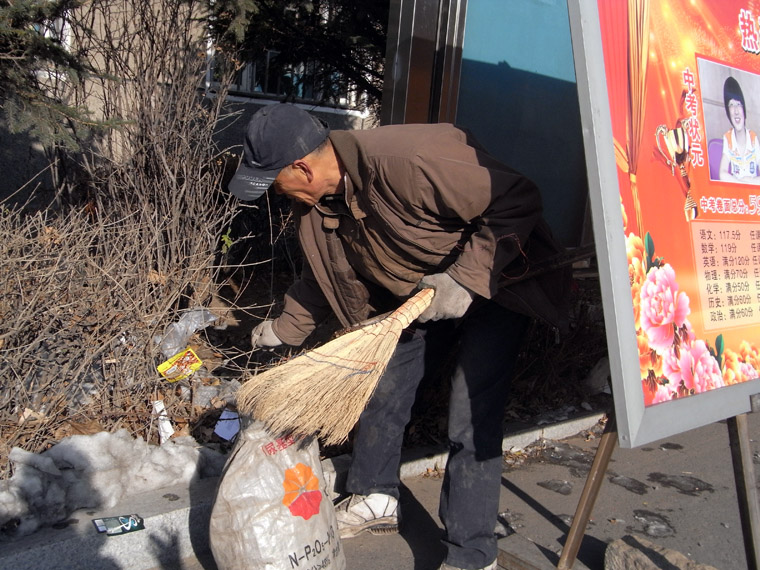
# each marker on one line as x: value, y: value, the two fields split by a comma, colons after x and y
x: 291, y: 183
x: 300, y: 181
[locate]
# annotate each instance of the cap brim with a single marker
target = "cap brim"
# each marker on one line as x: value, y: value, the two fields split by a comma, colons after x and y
x: 251, y: 183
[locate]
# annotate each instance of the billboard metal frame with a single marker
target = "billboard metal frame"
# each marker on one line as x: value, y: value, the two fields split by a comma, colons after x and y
x: 637, y: 424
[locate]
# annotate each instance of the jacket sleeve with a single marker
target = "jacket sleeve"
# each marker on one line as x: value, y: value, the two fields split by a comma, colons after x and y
x: 305, y: 307
x: 499, y: 209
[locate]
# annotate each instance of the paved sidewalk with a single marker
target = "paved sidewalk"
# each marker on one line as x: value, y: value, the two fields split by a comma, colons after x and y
x: 678, y: 493
x: 176, y: 522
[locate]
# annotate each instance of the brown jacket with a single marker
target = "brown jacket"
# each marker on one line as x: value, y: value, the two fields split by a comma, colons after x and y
x: 419, y: 199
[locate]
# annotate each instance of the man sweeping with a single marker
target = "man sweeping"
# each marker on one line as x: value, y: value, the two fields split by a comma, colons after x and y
x: 380, y: 214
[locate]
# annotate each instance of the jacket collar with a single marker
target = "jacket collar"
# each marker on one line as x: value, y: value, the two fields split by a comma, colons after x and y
x: 349, y: 154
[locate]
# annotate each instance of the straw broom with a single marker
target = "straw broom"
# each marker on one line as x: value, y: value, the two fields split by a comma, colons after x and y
x: 323, y: 391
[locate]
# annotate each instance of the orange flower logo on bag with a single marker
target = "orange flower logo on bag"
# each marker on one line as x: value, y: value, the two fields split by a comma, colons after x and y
x: 302, y: 494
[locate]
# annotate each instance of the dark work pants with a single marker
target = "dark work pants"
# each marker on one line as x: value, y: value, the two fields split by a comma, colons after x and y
x: 488, y: 341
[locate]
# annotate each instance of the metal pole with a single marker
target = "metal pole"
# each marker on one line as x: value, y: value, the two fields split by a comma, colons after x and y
x: 589, y: 495
x: 746, y: 491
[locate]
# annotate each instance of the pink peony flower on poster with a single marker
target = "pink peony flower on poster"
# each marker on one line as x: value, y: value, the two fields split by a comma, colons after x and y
x: 699, y: 369
x: 663, y: 307
x: 747, y: 372
x: 687, y: 334
x: 662, y: 394
x: 695, y: 366
x: 672, y: 364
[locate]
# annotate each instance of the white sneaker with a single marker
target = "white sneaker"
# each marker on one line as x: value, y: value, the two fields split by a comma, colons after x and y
x: 377, y: 513
x: 492, y: 566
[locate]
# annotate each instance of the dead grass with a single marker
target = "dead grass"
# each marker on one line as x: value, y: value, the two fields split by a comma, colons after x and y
x: 131, y: 240
x: 84, y: 293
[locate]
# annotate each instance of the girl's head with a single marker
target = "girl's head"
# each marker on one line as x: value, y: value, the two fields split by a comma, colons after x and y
x: 733, y: 101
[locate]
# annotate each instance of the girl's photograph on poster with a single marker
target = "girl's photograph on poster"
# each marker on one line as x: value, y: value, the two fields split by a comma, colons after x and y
x: 731, y: 107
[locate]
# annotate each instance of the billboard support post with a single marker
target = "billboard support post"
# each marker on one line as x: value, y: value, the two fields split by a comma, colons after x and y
x: 744, y: 476
x: 590, y: 492
x: 746, y: 490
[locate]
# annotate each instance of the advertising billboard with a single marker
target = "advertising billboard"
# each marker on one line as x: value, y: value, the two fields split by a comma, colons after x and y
x: 670, y: 102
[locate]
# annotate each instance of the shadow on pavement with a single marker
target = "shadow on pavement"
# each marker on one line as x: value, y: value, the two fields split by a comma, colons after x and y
x: 591, y: 551
x: 421, y: 532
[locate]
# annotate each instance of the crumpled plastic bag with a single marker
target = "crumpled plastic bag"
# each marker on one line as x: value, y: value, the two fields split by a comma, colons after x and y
x: 272, y: 509
x: 177, y: 335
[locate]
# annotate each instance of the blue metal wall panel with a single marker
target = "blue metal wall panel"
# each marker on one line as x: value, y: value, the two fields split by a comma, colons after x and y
x: 518, y: 95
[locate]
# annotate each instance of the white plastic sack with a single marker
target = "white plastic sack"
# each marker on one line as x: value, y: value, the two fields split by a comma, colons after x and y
x: 272, y: 509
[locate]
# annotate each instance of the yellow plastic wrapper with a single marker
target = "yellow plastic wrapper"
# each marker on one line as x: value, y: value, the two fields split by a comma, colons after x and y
x: 180, y: 366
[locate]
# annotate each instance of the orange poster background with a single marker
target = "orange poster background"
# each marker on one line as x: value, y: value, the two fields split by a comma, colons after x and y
x: 657, y: 57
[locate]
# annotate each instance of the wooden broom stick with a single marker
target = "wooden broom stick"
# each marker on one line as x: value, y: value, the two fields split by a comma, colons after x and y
x: 323, y: 391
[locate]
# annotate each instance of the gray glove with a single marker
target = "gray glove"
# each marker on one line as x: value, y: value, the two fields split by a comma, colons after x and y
x: 450, y: 301
x: 263, y: 336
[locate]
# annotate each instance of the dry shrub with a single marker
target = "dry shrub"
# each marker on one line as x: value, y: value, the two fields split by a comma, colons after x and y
x: 134, y: 239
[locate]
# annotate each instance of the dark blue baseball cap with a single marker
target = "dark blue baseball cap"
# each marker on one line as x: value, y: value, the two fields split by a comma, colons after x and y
x: 276, y: 136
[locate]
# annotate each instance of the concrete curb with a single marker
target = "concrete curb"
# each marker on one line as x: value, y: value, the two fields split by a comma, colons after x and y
x: 176, y: 518
x: 412, y: 466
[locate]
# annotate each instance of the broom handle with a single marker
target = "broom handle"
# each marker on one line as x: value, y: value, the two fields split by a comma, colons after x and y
x: 413, y: 307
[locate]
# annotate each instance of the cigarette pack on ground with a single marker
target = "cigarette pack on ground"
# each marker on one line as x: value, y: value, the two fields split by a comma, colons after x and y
x: 180, y: 366
x: 119, y: 525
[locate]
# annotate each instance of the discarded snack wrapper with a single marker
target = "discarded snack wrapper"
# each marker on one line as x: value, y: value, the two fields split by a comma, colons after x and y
x: 119, y: 525
x: 180, y: 366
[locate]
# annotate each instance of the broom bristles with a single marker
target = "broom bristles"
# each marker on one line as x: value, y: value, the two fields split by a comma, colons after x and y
x: 323, y: 391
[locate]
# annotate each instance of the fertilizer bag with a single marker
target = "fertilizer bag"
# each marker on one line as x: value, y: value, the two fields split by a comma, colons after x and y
x: 272, y: 509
